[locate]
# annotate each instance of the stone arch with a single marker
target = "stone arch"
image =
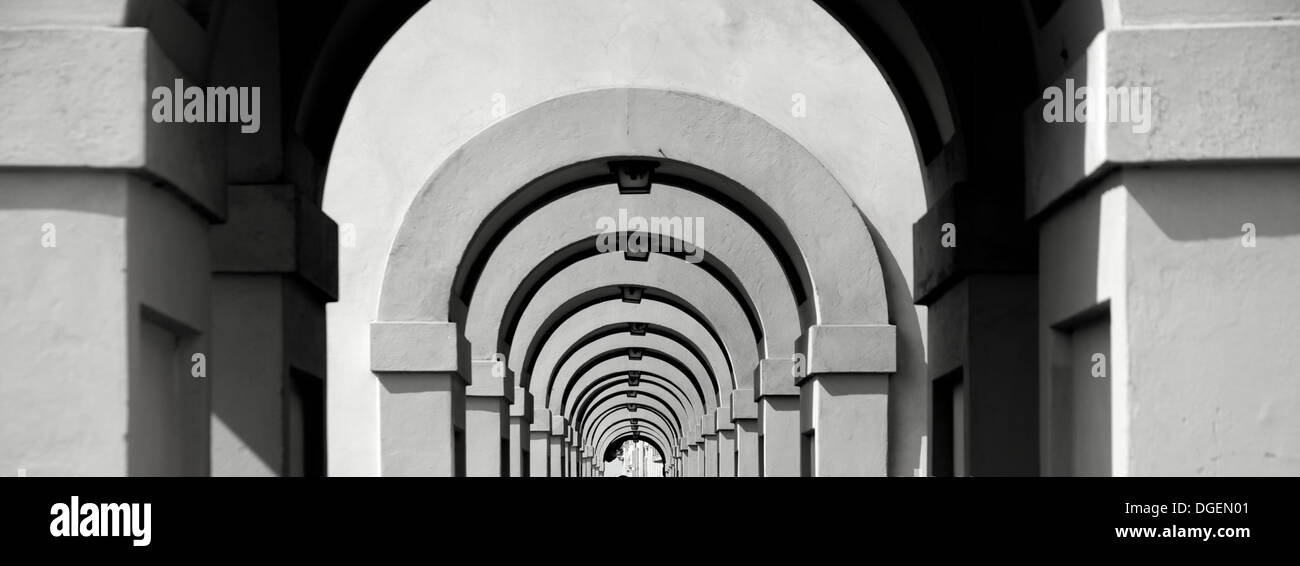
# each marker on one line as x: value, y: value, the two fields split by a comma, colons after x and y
x: 616, y: 435
x: 594, y: 403
x: 655, y: 302
x: 833, y: 244
x: 835, y: 251
x: 553, y: 236
x: 668, y: 279
x: 616, y: 347
x: 611, y: 318
x: 647, y: 407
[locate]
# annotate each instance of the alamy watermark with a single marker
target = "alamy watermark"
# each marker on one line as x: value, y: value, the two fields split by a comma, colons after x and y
x: 218, y: 104
x: 657, y: 234
x: 76, y: 519
x: 1128, y: 105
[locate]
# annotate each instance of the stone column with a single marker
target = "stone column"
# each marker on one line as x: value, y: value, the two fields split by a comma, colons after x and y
x: 105, y: 284
x: 271, y: 267
x: 521, y: 419
x: 487, y: 419
x: 708, y: 426
x: 697, y: 458
x: 981, y: 298
x: 744, y: 415
x: 844, y: 418
x: 558, y: 446
x: 421, y: 368
x: 778, y: 418
x: 575, y: 454
x: 726, y: 443
x: 539, y: 443
x: 1169, y: 224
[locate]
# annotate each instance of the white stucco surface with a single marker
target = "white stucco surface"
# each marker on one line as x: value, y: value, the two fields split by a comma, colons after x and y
x: 435, y: 85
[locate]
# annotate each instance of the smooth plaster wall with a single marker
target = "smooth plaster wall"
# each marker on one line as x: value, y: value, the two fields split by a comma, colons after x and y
x: 1202, y: 349
x: 63, y: 407
x: 122, y: 246
x: 1214, y: 388
x: 437, y: 83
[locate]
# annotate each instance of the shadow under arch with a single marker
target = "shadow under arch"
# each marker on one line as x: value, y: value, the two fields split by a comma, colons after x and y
x: 618, y: 328
x: 609, y: 293
x: 586, y: 248
x: 422, y: 281
x: 591, y: 174
x: 646, y: 352
x: 597, y: 420
x: 593, y: 398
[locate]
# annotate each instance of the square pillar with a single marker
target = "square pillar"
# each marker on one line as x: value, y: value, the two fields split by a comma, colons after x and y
x: 697, y: 459
x: 539, y: 444
x: 726, y: 443
x: 558, y: 445
x: 106, y: 284
x: 709, y: 427
x: 421, y: 368
x: 744, y: 415
x: 844, y: 418
x: 575, y: 453
x: 487, y: 419
x: 521, y: 419
x: 269, y: 268
x: 778, y: 418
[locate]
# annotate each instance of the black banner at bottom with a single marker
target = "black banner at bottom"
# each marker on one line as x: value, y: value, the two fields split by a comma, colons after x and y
x: 191, y: 517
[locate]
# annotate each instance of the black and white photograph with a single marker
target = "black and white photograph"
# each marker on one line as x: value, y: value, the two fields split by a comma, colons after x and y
x: 675, y: 239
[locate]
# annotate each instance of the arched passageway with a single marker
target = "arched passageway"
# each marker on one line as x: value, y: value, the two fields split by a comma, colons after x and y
x: 743, y: 238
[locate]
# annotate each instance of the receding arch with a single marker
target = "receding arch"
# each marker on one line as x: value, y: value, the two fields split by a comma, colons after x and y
x: 564, y: 387
x: 704, y: 351
x: 701, y: 292
x: 613, y: 366
x: 647, y: 408
x: 619, y: 421
x: 657, y: 304
x: 575, y: 253
x: 551, y: 238
x: 660, y: 390
x: 829, y: 237
x: 618, y: 435
x: 619, y: 345
x: 571, y: 402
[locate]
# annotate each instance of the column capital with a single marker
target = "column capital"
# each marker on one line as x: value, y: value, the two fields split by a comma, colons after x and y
x: 521, y: 405
x: 276, y: 229
x: 419, y: 347
x: 775, y: 378
x: 491, y: 379
x: 709, y: 424
x: 856, y: 348
x: 744, y: 404
x: 723, y: 419
x: 541, y: 420
x: 559, y: 425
